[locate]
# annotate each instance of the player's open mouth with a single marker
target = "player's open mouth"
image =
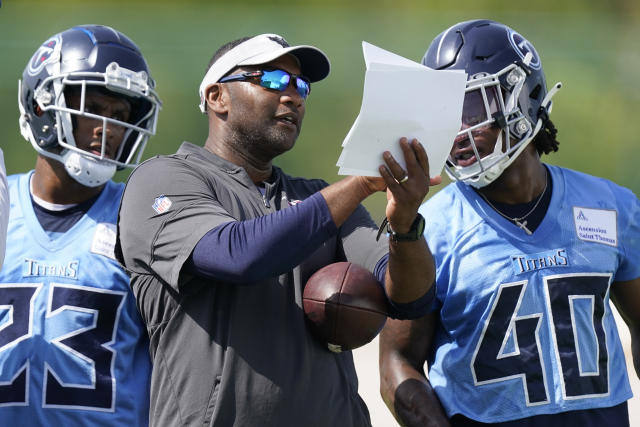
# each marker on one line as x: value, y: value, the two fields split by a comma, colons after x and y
x: 97, y: 150
x: 465, y: 158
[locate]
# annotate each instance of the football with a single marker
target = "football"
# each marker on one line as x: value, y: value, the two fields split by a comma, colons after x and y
x: 345, y: 306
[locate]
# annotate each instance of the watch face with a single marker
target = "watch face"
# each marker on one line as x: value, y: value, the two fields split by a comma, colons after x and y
x: 414, y: 233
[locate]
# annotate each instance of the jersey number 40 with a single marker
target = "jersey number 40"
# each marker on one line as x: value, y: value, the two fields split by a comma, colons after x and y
x: 510, y: 348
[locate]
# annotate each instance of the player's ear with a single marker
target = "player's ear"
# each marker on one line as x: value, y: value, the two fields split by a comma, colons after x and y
x: 217, y: 99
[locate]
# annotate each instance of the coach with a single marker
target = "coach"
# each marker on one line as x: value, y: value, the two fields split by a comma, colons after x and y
x: 220, y: 242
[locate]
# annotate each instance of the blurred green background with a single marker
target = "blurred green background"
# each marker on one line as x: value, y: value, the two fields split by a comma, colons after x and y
x: 591, y: 46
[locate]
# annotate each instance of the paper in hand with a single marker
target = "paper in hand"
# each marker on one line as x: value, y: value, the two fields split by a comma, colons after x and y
x: 402, y: 98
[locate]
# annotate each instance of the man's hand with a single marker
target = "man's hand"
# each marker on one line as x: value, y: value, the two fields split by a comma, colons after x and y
x: 404, y: 194
x: 404, y: 347
x: 406, y: 189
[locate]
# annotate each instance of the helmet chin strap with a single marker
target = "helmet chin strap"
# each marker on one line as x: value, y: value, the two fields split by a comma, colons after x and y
x: 495, y: 170
x: 492, y: 173
x: 86, y: 170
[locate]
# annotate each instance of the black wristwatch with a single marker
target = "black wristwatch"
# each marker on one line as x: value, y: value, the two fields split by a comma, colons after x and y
x: 414, y: 233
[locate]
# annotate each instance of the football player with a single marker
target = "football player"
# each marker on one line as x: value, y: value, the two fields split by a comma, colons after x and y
x: 73, y: 349
x: 528, y: 256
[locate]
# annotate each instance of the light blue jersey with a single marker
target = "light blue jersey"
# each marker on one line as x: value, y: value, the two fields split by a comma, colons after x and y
x: 73, y: 350
x: 526, y: 324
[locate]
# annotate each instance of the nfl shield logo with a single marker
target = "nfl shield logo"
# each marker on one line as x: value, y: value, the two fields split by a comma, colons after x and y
x: 161, y: 204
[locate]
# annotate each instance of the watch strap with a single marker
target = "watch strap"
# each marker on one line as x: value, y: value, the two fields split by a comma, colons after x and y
x: 414, y: 233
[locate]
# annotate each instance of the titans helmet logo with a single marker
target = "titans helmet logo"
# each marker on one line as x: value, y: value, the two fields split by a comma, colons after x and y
x: 47, y: 53
x: 523, y: 46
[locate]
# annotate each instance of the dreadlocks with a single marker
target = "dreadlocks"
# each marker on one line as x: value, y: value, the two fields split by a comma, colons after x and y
x: 545, y: 141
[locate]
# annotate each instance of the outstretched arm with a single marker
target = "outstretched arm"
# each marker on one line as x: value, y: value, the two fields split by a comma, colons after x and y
x: 411, y: 269
x: 220, y: 254
x: 626, y: 296
x: 404, y: 347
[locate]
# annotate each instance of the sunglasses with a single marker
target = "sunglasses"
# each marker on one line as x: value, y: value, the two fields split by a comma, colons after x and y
x: 273, y: 79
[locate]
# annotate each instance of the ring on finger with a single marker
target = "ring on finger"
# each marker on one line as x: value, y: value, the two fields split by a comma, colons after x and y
x: 403, y: 179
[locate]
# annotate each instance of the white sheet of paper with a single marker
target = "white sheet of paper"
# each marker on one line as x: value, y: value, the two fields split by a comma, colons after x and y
x: 402, y: 98
x: 374, y: 53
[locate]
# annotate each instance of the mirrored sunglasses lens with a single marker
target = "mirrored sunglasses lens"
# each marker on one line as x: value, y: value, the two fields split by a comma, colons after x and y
x: 302, y: 87
x: 276, y: 79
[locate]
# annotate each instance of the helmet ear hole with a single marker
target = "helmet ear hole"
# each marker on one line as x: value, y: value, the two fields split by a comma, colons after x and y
x: 37, y: 110
x: 536, y: 92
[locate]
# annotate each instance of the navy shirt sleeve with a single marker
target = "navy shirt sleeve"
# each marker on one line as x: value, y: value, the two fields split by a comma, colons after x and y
x: 410, y: 310
x: 252, y: 250
x: 249, y: 251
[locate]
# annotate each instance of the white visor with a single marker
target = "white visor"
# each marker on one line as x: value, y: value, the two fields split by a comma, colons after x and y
x: 261, y: 49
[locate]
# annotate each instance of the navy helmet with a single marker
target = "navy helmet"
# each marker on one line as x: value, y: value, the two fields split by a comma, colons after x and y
x: 86, y: 57
x: 506, y: 87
